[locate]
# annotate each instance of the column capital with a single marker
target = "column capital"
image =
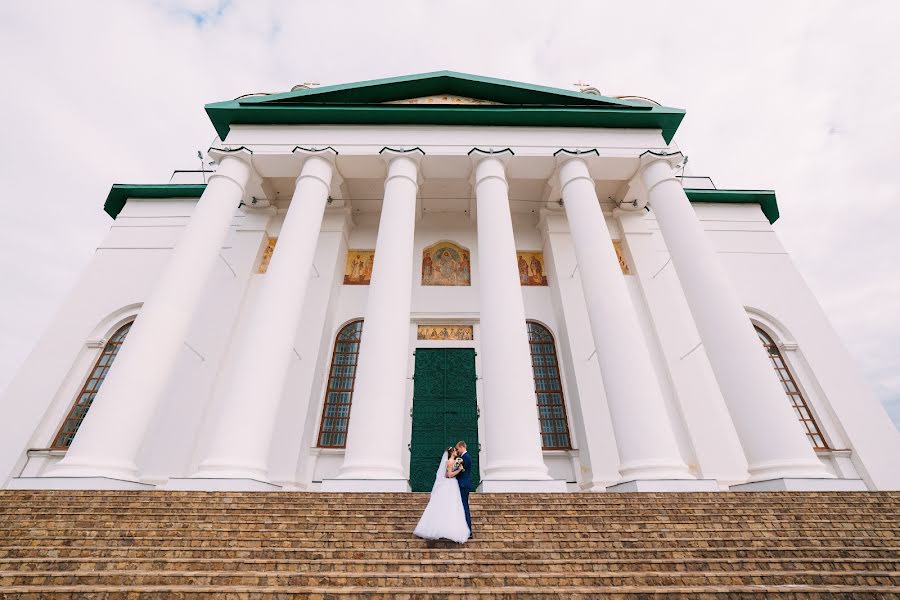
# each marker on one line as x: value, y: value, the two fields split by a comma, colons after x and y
x: 649, y: 158
x: 403, y: 162
x: 320, y: 164
x: 489, y: 163
x: 235, y: 165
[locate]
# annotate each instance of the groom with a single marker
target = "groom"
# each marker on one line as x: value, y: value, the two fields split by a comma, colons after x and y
x: 464, y: 480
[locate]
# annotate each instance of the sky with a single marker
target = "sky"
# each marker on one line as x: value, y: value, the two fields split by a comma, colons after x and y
x: 796, y: 96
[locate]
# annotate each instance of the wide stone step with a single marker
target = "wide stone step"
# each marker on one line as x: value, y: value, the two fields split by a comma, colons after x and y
x: 205, y: 592
x: 468, y: 575
x: 542, y: 545
x: 442, y: 550
x: 444, y: 565
x: 388, y: 516
x: 485, y: 532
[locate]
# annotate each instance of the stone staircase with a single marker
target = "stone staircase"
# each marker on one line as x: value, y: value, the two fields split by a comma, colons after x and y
x: 161, y: 544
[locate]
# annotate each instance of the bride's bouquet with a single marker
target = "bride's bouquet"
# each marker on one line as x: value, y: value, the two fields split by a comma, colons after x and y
x: 457, y: 465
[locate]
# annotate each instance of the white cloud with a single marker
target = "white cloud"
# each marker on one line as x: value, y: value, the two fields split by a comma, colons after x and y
x: 798, y: 96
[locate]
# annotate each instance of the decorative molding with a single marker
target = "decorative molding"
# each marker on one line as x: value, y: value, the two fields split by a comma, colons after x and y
x: 95, y: 343
x: 787, y: 346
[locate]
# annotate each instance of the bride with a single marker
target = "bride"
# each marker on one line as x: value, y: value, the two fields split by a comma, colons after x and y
x: 444, y: 517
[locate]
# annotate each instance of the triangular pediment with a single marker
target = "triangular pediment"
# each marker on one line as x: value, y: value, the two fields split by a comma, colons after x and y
x: 426, y: 88
x: 443, y: 98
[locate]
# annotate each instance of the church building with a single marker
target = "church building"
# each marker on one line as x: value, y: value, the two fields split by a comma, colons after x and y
x: 367, y: 273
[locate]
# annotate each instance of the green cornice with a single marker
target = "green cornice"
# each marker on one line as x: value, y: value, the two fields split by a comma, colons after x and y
x: 520, y: 104
x: 765, y: 199
x: 121, y: 192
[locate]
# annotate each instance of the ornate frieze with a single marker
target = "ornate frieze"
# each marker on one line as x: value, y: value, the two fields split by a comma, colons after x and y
x: 444, y: 332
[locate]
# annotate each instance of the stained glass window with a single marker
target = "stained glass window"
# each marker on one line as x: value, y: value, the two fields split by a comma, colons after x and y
x: 336, y: 413
x: 548, y: 389
x: 793, y: 392
x: 89, y: 391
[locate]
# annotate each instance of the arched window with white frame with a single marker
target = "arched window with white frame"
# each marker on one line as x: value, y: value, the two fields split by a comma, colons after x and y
x: 85, y: 398
x: 341, y: 379
x: 792, y: 390
x: 548, y: 389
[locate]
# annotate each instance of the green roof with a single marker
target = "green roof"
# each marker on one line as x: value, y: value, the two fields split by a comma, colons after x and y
x: 765, y: 199
x: 121, y: 192
x: 519, y: 104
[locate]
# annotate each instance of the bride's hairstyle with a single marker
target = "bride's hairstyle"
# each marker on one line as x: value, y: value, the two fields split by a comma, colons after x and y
x: 450, y: 450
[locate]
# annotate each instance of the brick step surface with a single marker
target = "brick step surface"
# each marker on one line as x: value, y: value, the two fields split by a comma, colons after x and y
x: 444, y: 551
x: 204, y: 592
x: 494, y: 515
x: 536, y: 544
x: 471, y: 577
x: 445, y: 565
x: 160, y: 544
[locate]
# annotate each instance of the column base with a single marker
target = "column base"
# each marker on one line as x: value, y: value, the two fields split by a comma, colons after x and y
x: 523, y: 486
x: 76, y: 483
x: 666, y: 485
x: 219, y: 484
x: 365, y: 485
x: 786, y: 484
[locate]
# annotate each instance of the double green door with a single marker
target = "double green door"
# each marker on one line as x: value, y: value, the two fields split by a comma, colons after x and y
x: 444, y: 412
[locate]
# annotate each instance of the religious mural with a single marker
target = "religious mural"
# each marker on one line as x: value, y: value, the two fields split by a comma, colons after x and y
x: 444, y: 332
x: 617, y: 244
x: 267, y: 255
x: 445, y: 263
x: 359, y: 267
x: 531, y: 268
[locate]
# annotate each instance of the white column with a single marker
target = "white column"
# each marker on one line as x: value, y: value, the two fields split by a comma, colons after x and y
x: 239, y: 447
x: 109, y: 438
x: 374, y: 455
x: 770, y: 433
x: 512, y: 431
x: 644, y: 436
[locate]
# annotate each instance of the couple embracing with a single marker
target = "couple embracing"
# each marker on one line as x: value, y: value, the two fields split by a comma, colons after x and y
x: 447, y: 514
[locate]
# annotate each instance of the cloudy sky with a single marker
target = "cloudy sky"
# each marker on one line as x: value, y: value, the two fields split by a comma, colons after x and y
x: 795, y: 96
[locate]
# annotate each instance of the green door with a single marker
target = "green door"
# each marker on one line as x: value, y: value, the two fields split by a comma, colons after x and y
x: 444, y: 411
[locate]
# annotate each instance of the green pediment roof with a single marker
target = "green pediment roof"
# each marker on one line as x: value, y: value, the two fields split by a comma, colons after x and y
x: 508, y: 103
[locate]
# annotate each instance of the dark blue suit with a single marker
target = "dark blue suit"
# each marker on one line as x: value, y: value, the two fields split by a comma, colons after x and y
x: 464, y: 480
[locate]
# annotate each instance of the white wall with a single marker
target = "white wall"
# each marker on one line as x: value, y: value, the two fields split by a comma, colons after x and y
x: 134, y: 252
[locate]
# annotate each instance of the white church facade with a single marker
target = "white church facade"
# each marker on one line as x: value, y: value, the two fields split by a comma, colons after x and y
x: 371, y: 272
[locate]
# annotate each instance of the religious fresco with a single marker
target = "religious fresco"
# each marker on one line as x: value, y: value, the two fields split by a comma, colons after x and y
x: 531, y: 268
x: 267, y: 255
x: 444, y: 332
x: 359, y: 267
x: 445, y: 263
x: 617, y: 244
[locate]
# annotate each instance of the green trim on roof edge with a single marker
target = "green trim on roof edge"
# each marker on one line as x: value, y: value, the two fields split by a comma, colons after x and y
x: 121, y: 192
x: 765, y: 199
x: 521, y: 105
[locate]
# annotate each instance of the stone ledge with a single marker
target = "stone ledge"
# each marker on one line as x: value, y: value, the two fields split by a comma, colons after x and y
x: 801, y: 485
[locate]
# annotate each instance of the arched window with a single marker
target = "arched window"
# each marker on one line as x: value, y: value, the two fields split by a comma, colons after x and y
x: 89, y: 391
x: 336, y: 414
x: 548, y: 389
x: 793, y: 392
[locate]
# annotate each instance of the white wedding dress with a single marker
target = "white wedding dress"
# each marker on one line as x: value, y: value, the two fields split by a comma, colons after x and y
x: 444, y: 517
